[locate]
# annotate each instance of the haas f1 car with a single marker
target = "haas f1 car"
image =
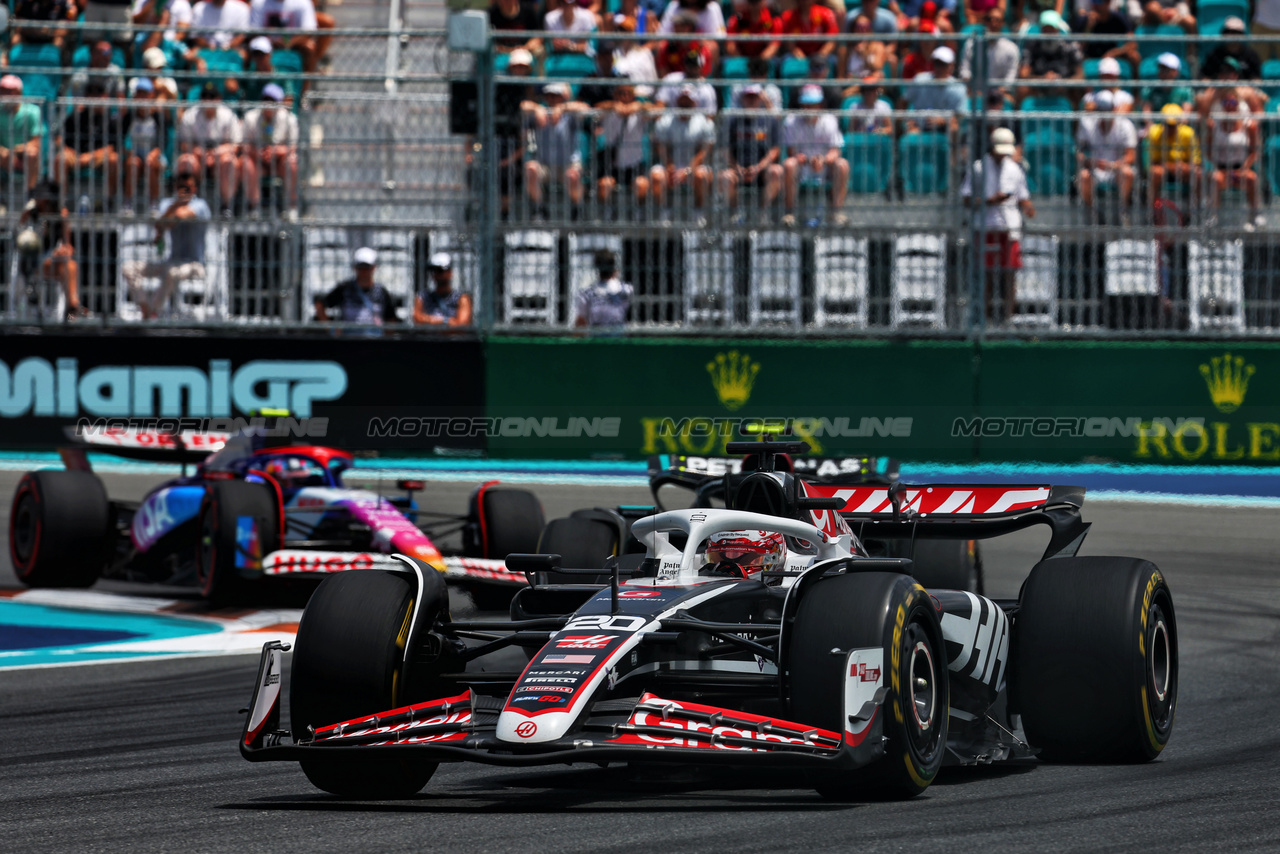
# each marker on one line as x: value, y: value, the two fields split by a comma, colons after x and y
x: 251, y: 513
x: 741, y: 637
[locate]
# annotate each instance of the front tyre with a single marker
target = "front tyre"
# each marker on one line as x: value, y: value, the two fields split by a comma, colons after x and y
x: 870, y: 609
x: 1094, y: 668
x: 348, y: 662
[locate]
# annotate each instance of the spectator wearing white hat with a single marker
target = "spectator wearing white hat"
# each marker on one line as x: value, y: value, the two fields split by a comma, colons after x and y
x: 814, y: 144
x: 442, y: 305
x: 259, y: 68
x: 1109, y: 77
x: 359, y: 299
x: 21, y: 131
x: 220, y: 25
x: 271, y: 149
x: 1103, y: 19
x: 1107, y: 150
x: 692, y: 76
x: 937, y: 90
x: 301, y: 18
x: 1006, y: 201
x: 1155, y: 98
x: 558, y: 159
x: 1234, y: 47
x: 154, y: 61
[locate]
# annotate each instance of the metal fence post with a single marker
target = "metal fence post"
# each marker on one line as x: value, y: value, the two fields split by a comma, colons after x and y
x: 486, y: 170
x: 978, y: 189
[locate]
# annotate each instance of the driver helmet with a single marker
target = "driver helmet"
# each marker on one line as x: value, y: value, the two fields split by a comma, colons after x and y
x: 288, y: 472
x: 753, y: 551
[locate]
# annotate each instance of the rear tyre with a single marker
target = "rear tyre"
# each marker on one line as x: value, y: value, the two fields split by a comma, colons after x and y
x: 348, y: 662
x: 581, y: 544
x: 227, y: 504
x: 1095, y: 659
x: 510, y: 521
x: 947, y: 565
x: 869, y: 609
x: 59, y: 528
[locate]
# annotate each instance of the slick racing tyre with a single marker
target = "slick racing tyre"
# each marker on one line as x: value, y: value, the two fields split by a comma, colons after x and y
x: 348, y: 662
x: 947, y: 565
x: 509, y: 521
x: 582, y: 544
x: 1094, y: 669
x: 59, y: 529
x: 870, y: 609
x: 232, y: 509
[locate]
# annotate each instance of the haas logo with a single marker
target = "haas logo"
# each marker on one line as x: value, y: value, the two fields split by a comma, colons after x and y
x: 527, y: 729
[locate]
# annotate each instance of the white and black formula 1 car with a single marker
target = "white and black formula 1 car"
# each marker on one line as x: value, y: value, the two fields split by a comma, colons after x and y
x: 744, y: 638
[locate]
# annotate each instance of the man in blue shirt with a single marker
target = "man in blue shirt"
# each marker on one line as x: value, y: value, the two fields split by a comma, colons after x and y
x: 185, y: 218
x: 361, y: 299
x: 442, y: 305
x: 949, y: 96
x: 605, y: 304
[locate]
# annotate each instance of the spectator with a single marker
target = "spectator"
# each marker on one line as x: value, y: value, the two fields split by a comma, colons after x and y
x: 1233, y: 46
x: 682, y: 145
x: 107, y: 12
x: 1154, y: 13
x: 571, y: 18
x: 632, y: 59
x: 810, y: 18
x: 692, y: 77
x: 621, y: 129
x: 754, y: 149
x: 21, y: 132
x: 175, y: 14
x: 950, y: 97
x: 559, y: 159
x: 882, y: 20
x: 918, y: 58
x: 442, y: 305
x: 862, y: 58
x: 91, y: 141
x: 1109, y: 76
x: 601, y: 81
x: 813, y: 154
x: 937, y: 12
x: 185, y: 218
x: 1234, y: 144
x: 871, y: 114
x: 1102, y: 19
x: 57, y: 257
x: 1107, y: 151
x: 53, y: 11
x: 1266, y: 22
x: 1003, y: 56
x: 517, y: 17
x: 360, y: 299
x: 1174, y: 152
x: 219, y: 24
x: 297, y: 15
x: 209, y: 141
x: 1050, y: 58
x: 258, y: 63
x: 271, y: 149
x: 644, y: 19
x: 758, y: 75
x: 976, y: 10
x: 1154, y: 99
x: 508, y: 130
x: 1006, y: 201
x: 154, y: 61
x: 755, y: 19
x: 671, y: 53
x: 1228, y: 75
x: 102, y: 70
x: 708, y: 16
x: 607, y: 303
x: 145, y: 164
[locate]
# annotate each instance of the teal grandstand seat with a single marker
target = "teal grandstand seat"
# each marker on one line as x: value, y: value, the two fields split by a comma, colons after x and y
x: 1152, y: 48
x: 24, y: 55
x: 568, y: 65
x: 870, y: 157
x: 794, y: 68
x: 734, y: 68
x: 1040, y: 124
x: 925, y: 159
x: 1212, y: 14
x: 1051, y: 162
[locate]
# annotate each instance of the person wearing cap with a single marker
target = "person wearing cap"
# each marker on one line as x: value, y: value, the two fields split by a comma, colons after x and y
x: 154, y: 61
x: 359, y: 299
x: 810, y: 19
x: 558, y: 159
x: 210, y: 142
x: 90, y: 141
x: 1003, y: 56
x: 754, y: 149
x: 1173, y: 149
x: 442, y: 305
x: 145, y: 161
x: 950, y: 97
x: 754, y: 19
x: 1232, y: 46
x: 1234, y: 142
x: 1108, y: 77
x: 185, y: 219
x: 571, y: 19
x: 758, y: 71
x: 51, y: 11
x: 49, y: 220
x: 606, y: 303
x: 102, y: 69
x: 508, y: 143
x: 620, y: 128
x: 21, y: 132
x: 682, y: 144
x: 634, y: 59
x: 1006, y: 200
x: 259, y: 69
x: 1102, y: 19
x: 299, y: 16
x: 693, y: 77
x: 1051, y: 58
x: 1155, y: 98
x: 871, y: 113
x: 1107, y: 148
x: 814, y: 144
x: 510, y: 21
x: 271, y: 149
x: 220, y: 25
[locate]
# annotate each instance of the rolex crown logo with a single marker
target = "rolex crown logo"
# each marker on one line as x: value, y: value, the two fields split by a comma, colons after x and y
x: 733, y: 374
x: 1228, y: 379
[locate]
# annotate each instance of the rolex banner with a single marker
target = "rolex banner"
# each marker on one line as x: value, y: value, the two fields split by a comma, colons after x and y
x: 1132, y: 402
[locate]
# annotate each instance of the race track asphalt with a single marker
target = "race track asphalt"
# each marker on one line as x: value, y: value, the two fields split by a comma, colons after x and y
x: 142, y: 756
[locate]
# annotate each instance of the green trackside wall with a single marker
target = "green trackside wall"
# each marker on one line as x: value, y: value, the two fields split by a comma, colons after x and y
x: 1063, y: 401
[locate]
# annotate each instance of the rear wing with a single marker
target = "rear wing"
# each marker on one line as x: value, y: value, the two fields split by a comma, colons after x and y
x: 693, y: 470
x: 152, y: 445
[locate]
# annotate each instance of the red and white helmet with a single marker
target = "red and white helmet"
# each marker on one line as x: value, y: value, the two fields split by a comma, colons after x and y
x: 754, y: 551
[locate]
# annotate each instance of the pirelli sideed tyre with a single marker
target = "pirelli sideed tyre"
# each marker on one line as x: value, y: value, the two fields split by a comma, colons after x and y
x: 348, y: 662
x: 1094, y: 668
x: 234, y: 510
x: 947, y: 565
x: 868, y: 609
x: 59, y: 528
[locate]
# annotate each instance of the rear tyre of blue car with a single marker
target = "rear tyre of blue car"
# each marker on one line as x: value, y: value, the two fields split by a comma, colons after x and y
x: 347, y: 663
x: 59, y: 529
x: 239, y: 524
x: 858, y: 611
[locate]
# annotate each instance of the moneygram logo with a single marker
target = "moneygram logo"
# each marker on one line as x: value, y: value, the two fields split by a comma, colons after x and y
x: 1227, y: 377
x: 35, y: 387
x: 733, y: 375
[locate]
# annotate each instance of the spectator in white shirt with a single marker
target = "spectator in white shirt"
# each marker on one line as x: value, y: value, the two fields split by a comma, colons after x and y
x: 692, y: 77
x: 292, y: 15
x: 572, y: 18
x: 682, y: 144
x: 1007, y: 200
x: 271, y: 148
x: 1003, y: 56
x: 1108, y: 146
x: 219, y: 24
x: 175, y: 14
x: 813, y: 152
x: 1109, y: 76
x: 209, y: 141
